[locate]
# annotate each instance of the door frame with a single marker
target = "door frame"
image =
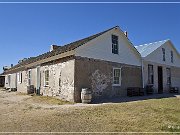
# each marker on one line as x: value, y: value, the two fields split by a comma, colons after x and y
x: 38, y: 81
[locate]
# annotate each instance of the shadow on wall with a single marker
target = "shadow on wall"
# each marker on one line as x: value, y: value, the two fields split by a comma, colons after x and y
x: 136, y: 98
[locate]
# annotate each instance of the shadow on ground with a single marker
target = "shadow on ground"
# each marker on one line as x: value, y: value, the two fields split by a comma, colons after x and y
x: 135, y: 98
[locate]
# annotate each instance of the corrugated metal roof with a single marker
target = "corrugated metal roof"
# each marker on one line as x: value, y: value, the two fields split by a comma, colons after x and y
x: 146, y: 49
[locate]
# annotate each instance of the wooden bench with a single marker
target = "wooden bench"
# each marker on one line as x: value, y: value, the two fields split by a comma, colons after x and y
x: 174, y: 90
x: 135, y: 91
x: 149, y: 89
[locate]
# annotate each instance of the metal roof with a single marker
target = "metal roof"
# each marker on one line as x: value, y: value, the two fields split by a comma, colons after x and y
x: 146, y: 49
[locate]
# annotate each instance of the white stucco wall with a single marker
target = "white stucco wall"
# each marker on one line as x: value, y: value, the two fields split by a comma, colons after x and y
x: 155, y: 69
x: 7, y: 83
x: 157, y: 55
x: 13, y: 81
x: 22, y: 87
x: 101, y: 48
x: 156, y: 59
x: 175, y: 75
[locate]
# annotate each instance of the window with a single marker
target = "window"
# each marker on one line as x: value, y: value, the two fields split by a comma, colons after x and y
x: 168, y: 70
x: 46, y: 83
x: 164, y: 53
x: 114, y: 44
x: 172, y: 59
x: 150, y: 74
x: 29, y: 77
x: 117, y: 76
x: 19, y: 77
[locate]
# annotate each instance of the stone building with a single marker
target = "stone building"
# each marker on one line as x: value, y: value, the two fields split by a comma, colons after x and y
x: 106, y: 62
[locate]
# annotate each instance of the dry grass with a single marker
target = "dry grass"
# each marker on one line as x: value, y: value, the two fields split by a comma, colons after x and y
x: 21, y: 93
x: 155, y: 115
x: 144, y: 116
x: 2, y: 88
x: 49, y: 100
x: 44, y: 99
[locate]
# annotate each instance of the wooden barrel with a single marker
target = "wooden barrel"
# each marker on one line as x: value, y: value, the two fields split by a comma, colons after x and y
x: 86, y: 95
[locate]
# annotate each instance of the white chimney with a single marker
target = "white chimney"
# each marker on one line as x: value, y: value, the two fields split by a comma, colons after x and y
x: 126, y: 33
x: 53, y: 47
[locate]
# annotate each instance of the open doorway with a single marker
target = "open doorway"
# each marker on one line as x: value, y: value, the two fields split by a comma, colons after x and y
x: 160, y: 79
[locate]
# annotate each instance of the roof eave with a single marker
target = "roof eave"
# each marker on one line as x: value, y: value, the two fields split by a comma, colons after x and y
x: 59, y: 56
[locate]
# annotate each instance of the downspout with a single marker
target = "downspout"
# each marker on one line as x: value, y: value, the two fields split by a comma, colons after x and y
x: 142, y: 71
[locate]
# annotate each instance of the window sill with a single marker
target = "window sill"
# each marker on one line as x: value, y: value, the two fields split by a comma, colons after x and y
x: 116, y: 85
x: 115, y: 53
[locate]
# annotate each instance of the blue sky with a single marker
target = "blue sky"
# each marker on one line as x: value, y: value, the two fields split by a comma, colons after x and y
x: 29, y: 29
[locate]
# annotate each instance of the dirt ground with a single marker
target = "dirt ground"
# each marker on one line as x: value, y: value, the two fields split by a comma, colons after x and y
x: 20, y: 113
x: 24, y: 113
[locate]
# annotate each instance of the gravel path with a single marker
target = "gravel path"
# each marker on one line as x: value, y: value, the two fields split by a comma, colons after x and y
x: 15, y: 98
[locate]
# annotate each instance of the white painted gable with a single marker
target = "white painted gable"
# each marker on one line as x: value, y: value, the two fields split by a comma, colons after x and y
x: 101, y: 48
x: 157, y: 55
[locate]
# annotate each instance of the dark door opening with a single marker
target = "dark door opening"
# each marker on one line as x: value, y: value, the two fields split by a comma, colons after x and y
x: 160, y: 80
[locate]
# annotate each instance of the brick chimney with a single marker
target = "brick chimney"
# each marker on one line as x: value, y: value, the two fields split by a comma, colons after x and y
x: 53, y: 47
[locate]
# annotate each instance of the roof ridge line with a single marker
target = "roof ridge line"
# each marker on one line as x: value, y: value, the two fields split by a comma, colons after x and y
x: 61, y: 49
x: 153, y: 42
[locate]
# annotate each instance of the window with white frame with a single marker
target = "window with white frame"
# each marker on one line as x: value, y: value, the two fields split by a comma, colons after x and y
x: 46, y: 80
x: 164, y: 54
x: 150, y: 74
x: 168, y: 70
x: 172, y: 57
x: 19, y: 77
x: 29, y: 77
x: 117, y: 76
x: 114, y: 44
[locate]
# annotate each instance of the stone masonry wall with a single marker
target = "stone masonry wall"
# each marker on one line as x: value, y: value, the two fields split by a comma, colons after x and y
x: 61, y: 79
x: 98, y: 76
